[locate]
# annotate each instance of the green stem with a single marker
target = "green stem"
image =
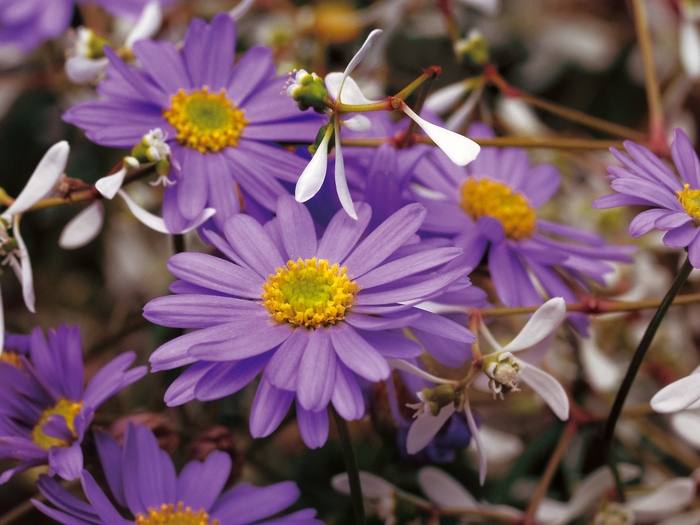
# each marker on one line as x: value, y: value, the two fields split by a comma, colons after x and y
x: 179, y: 243
x: 636, y: 362
x: 351, y: 466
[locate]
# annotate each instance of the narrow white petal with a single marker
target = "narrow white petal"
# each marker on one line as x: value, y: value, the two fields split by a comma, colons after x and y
x: 241, y: 9
x: 678, y: 395
x: 690, y: 49
x: 445, y: 491
x: 687, y: 426
x: 601, y: 372
x: 358, y: 123
x: 109, y: 186
x: 359, y: 56
x: 665, y: 501
x: 314, y: 173
x: 552, y: 512
x: 42, y: 181
x: 352, y: 94
x: 425, y: 427
x: 459, y: 118
x: 499, y: 447
x: 341, y: 184
x: 372, y: 486
x: 487, y: 7
x: 158, y: 224
x: 147, y: 25
x: 26, y: 276
x: 443, y: 99
x: 83, y: 228
x: 477, y: 440
x: 458, y: 148
x: 399, y: 364
x: 543, y: 322
x: 81, y: 70
x: 547, y: 387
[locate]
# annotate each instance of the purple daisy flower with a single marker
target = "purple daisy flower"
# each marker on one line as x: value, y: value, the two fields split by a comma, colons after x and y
x: 489, y: 209
x: 221, y: 122
x: 142, y: 479
x: 645, y: 180
x: 313, y: 314
x: 45, y: 408
x: 27, y: 23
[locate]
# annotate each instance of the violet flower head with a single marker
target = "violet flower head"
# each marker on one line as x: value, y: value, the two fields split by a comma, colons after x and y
x: 490, y: 208
x: 220, y: 122
x: 645, y: 180
x: 45, y: 408
x: 142, y: 479
x: 314, y: 314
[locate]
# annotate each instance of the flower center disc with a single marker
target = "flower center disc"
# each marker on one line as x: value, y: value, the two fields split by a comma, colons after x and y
x: 497, y: 200
x: 65, y: 408
x: 208, y: 122
x: 309, y: 293
x: 167, y: 515
x: 11, y: 357
x: 690, y: 200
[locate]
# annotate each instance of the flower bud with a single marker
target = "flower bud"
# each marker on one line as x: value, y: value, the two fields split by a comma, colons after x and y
x: 475, y: 47
x: 308, y: 90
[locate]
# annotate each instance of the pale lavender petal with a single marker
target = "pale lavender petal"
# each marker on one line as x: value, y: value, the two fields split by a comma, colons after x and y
x: 549, y: 389
x: 425, y: 427
x: 227, y: 378
x: 678, y: 395
x: 313, y: 426
x: 269, y: 408
x: 66, y: 462
x: 405, y: 266
x: 216, y: 274
x: 672, y: 220
x: 283, y: 369
x: 342, y: 233
x: 298, y: 231
x: 248, y: 238
x: 685, y: 158
x: 347, y: 397
x: 317, y: 372
x: 682, y: 236
x: 644, y: 222
x: 200, y: 483
x: 358, y: 355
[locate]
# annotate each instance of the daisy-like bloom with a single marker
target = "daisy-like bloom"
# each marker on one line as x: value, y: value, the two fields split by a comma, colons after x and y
x: 45, y: 407
x: 220, y: 122
x: 490, y: 210
x: 28, y: 23
x: 314, y: 314
x: 141, y: 478
x: 645, y: 180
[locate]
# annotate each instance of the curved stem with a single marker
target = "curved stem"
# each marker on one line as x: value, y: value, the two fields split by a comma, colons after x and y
x: 636, y: 362
x: 351, y: 466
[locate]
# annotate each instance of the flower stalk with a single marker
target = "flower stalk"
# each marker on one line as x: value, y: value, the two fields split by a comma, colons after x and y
x: 351, y: 466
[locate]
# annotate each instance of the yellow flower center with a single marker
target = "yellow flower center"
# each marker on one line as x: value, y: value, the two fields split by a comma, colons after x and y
x: 168, y: 515
x: 690, y: 200
x: 66, y: 408
x: 497, y: 200
x: 309, y: 293
x: 208, y: 122
x: 11, y: 357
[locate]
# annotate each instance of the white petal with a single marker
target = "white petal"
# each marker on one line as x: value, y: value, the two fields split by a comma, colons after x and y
x: 687, y: 518
x: 42, y: 181
x: 83, y: 228
x: 687, y: 426
x: 109, y: 186
x: 156, y: 223
x: 445, y: 491
x: 26, y: 277
x: 458, y: 148
x: 543, y: 322
x: 600, y: 371
x: 690, y: 49
x: 547, y: 387
x: 665, y: 501
x: 551, y: 512
x: 341, y: 184
x: 351, y: 91
x: 241, y: 9
x: 425, y: 427
x: 499, y: 447
x: 476, y: 436
x: 147, y: 25
x: 459, y: 118
x: 445, y: 98
x: 678, y: 395
x: 399, y: 364
x: 487, y: 7
x: 359, y: 56
x: 314, y: 173
x: 358, y: 123
x: 372, y: 486
x: 82, y: 70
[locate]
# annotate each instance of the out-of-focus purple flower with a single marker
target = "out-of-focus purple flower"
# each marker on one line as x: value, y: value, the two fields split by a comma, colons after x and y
x: 142, y: 479
x: 45, y: 407
x: 313, y: 314
x: 644, y: 180
x: 489, y: 209
x: 220, y: 122
x: 27, y: 23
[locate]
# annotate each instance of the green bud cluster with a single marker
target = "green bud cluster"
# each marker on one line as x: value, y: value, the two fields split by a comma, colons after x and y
x: 311, y: 92
x: 441, y: 396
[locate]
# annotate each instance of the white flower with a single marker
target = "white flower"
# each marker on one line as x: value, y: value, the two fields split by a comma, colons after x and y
x: 679, y: 395
x: 42, y: 181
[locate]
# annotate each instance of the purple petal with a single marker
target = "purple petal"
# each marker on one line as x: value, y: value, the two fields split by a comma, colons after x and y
x: 298, y: 232
x: 283, y: 369
x: 253, y: 68
x: 163, y: 63
x: 316, y: 372
x: 269, y: 408
x: 215, y: 274
x: 405, y: 266
x: 342, y: 233
x: 253, y: 245
x: 199, y: 484
x: 111, y: 458
x: 644, y: 222
x: 685, y: 158
x: 672, y: 220
x: 244, y: 504
x: 196, y: 311
x: 682, y: 236
x: 111, y: 378
x: 66, y: 462
x: 224, y: 379
x: 437, y: 324
x: 374, y: 323
x: 313, y: 426
x: 421, y: 290
x: 182, y: 389
x: 357, y: 354
x: 347, y: 397
x: 694, y: 252
x: 100, y: 502
x: 192, y: 189
x: 391, y: 345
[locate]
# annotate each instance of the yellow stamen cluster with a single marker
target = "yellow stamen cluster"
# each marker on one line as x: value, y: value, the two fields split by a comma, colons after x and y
x: 66, y: 408
x: 309, y: 293
x: 690, y: 200
x: 207, y: 122
x: 169, y: 515
x: 497, y: 200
